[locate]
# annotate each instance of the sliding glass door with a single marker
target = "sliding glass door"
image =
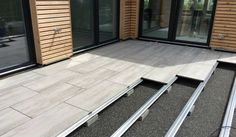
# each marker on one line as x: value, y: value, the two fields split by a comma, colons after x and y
x: 93, y: 22
x: 156, y: 16
x: 186, y: 21
x: 82, y: 23
x: 194, y: 20
x: 107, y: 20
x: 14, y: 35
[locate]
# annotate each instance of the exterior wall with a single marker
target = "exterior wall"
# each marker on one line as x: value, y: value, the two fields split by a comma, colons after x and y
x: 129, y: 19
x: 224, y: 30
x: 52, y: 30
x: 51, y: 21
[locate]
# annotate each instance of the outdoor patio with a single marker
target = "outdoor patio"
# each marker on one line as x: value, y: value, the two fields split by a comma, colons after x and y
x: 44, y: 102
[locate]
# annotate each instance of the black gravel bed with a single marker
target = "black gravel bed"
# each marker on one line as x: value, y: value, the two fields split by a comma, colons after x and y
x: 210, y: 107
x: 164, y: 111
x: 116, y: 114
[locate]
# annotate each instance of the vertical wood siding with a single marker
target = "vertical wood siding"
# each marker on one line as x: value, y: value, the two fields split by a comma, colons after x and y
x: 48, y: 15
x: 224, y: 30
x: 129, y: 17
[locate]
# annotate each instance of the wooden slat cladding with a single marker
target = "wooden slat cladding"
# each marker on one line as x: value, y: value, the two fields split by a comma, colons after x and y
x: 48, y: 16
x: 224, y: 28
x: 129, y: 13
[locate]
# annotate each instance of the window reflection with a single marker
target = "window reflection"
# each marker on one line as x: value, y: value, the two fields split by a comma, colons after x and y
x: 107, y: 20
x: 82, y: 23
x: 156, y: 16
x: 13, y: 44
x: 194, y: 20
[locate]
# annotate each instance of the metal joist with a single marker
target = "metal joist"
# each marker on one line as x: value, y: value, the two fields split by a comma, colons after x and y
x: 229, y: 114
x: 142, y: 110
x: 187, y: 108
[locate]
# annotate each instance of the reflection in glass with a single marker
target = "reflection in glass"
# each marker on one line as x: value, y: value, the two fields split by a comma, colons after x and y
x: 156, y: 15
x: 194, y: 20
x: 107, y: 20
x: 82, y: 23
x: 13, y: 42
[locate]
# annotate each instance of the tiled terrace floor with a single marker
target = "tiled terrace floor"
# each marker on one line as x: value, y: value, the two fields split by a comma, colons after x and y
x: 46, y: 101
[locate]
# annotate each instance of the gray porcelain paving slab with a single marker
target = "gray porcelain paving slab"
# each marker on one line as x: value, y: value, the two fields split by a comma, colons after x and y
x: 157, y: 57
x: 91, y: 65
x: 10, y: 119
x: 90, y: 79
x: 164, y: 74
x: 47, y: 81
x: 197, y: 71
x: 150, y: 59
x: 18, y: 79
x: 118, y: 65
x: 108, y: 50
x: 94, y: 97
x: 56, y: 68
x: 127, y: 50
x: 47, y: 99
x: 131, y: 74
x: 227, y: 55
x: 207, y: 57
x: 84, y: 57
x: 50, y: 123
x: 145, y: 54
x: 15, y: 95
x: 177, y: 56
x: 168, y: 56
x: 228, y: 60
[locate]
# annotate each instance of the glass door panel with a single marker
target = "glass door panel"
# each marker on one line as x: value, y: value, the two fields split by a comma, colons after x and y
x: 82, y: 12
x: 156, y: 16
x: 194, y: 20
x: 107, y: 20
x: 14, y: 49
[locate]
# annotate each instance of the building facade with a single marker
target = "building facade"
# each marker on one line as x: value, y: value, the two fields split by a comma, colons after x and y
x: 46, y: 31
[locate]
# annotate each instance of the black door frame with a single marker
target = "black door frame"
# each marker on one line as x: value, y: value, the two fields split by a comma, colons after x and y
x: 29, y: 38
x: 96, y: 42
x: 173, y: 22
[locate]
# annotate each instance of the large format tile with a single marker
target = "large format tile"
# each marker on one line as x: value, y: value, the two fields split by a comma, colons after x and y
x: 47, y: 99
x: 91, y: 65
x: 197, y: 71
x: 56, y: 68
x: 94, y: 97
x: 47, y: 81
x: 10, y: 119
x: 131, y: 74
x: 228, y: 60
x: 18, y: 79
x: 49, y: 124
x: 118, y: 65
x: 206, y: 57
x: 90, y: 79
x: 145, y: 54
x: 15, y: 95
x: 84, y: 57
x: 164, y: 74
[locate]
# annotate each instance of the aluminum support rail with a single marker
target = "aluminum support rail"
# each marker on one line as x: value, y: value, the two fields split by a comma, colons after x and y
x: 142, y: 110
x: 187, y: 108
x: 99, y: 109
x: 229, y: 115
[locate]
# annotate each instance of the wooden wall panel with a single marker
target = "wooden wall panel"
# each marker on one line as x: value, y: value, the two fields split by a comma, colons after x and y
x: 224, y: 28
x: 129, y: 18
x: 48, y: 16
